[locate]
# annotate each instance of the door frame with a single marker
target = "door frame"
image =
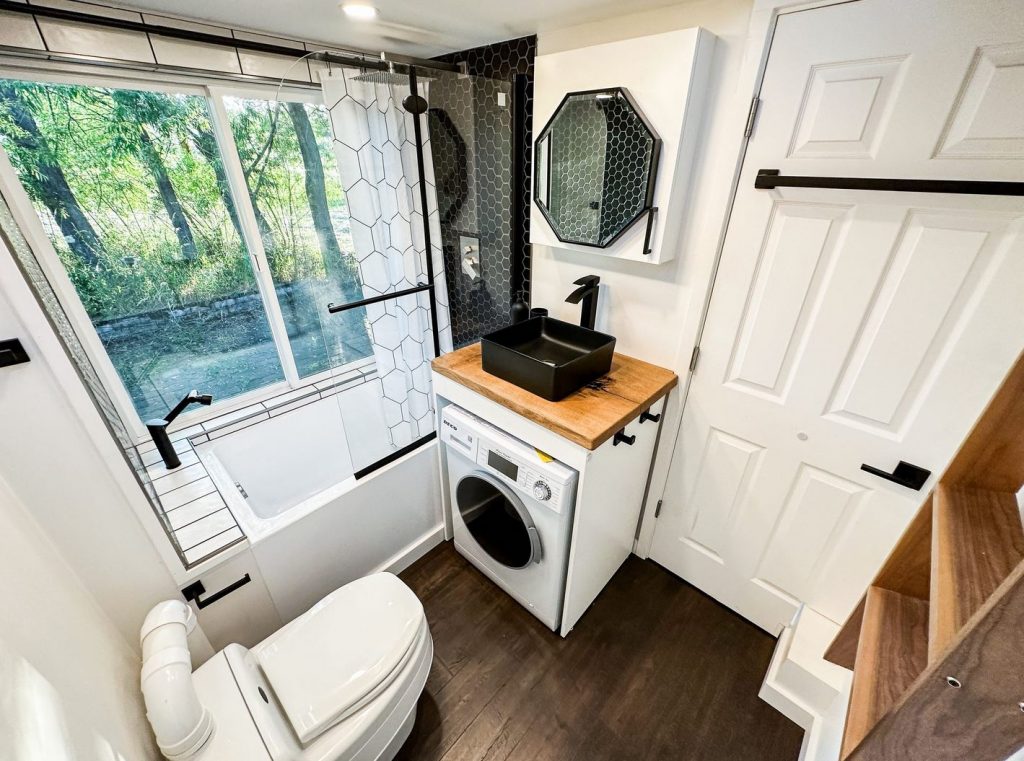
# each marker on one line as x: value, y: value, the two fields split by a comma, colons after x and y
x: 760, y: 32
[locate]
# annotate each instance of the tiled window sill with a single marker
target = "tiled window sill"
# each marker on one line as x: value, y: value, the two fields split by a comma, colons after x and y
x: 193, y: 510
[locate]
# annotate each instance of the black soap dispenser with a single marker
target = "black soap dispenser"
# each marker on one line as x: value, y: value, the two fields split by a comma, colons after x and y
x: 520, y: 311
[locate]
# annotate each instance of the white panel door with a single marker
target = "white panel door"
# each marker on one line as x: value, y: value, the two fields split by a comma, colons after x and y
x: 851, y: 327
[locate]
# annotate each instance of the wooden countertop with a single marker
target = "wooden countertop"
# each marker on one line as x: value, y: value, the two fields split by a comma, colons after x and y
x: 587, y: 417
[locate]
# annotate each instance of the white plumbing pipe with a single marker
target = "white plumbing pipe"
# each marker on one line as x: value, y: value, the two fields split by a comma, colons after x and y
x: 181, y: 724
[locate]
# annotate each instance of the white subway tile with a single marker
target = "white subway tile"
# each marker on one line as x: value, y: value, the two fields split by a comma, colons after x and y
x: 178, y: 477
x: 91, y: 40
x: 290, y: 396
x: 195, y: 55
x: 184, y: 433
x: 159, y: 470
x: 231, y: 417
x: 96, y: 9
x: 206, y: 528
x: 252, y: 420
x: 187, y: 493
x: 20, y: 31
x: 147, y: 451
x: 283, y: 408
x: 213, y: 545
x: 194, y: 510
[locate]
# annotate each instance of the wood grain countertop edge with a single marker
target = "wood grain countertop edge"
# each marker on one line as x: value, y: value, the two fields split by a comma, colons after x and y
x: 448, y: 365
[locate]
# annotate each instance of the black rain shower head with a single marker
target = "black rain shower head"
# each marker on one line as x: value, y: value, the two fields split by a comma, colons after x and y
x: 415, y: 104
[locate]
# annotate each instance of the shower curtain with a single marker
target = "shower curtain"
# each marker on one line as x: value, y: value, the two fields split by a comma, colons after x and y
x: 375, y: 148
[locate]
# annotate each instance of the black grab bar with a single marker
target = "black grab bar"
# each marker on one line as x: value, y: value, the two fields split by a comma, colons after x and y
x: 335, y: 308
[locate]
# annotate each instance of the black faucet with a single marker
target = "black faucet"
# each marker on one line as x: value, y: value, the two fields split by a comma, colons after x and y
x: 587, y: 292
x: 158, y: 427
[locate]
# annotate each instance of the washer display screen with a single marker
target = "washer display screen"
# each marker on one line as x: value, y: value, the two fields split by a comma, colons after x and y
x: 502, y: 465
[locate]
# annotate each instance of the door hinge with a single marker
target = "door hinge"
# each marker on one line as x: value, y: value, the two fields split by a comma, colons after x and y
x: 694, y: 357
x: 657, y: 510
x: 752, y: 116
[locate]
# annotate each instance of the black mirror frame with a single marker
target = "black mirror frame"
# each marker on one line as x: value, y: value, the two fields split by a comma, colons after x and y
x: 652, y: 169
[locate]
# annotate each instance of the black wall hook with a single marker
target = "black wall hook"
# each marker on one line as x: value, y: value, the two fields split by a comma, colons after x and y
x: 646, y: 415
x: 622, y: 438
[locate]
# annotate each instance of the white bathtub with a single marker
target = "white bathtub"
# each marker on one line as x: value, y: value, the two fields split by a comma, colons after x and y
x: 311, y: 526
x: 278, y: 470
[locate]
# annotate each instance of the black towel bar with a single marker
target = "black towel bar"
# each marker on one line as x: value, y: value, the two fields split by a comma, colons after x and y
x: 768, y: 179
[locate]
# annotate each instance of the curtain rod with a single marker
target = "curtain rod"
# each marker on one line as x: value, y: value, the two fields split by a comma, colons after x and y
x: 361, y: 61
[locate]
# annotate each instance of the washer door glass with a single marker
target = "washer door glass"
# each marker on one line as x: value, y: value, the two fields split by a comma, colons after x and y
x: 498, y: 521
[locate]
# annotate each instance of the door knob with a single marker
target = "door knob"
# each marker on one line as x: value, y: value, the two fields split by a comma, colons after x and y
x: 905, y: 474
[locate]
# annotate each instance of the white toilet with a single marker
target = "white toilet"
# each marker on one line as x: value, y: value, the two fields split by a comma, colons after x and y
x: 339, y: 682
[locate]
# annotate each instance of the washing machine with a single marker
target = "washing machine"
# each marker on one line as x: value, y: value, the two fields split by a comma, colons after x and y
x: 512, y: 509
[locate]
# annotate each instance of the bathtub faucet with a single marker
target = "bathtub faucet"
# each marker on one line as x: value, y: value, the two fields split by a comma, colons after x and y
x: 158, y: 427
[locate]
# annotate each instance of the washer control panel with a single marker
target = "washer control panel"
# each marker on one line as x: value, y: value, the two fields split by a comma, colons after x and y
x: 531, y: 472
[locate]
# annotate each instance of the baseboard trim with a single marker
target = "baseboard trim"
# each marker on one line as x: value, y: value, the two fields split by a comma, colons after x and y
x: 412, y: 552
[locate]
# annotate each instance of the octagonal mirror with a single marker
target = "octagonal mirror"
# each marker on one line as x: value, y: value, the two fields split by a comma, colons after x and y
x: 595, y: 165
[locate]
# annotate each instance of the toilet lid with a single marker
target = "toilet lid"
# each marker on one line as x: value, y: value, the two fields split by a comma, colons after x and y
x: 332, y: 660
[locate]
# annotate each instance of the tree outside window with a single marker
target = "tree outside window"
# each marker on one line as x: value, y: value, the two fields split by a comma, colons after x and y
x: 132, y: 191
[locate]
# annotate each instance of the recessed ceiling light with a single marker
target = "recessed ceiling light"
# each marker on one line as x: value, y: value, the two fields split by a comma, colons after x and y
x: 359, y: 11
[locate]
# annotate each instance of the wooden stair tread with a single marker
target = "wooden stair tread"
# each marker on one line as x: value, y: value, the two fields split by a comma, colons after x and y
x: 891, y: 652
x: 949, y: 601
x: 977, y: 542
x: 907, y: 570
x: 992, y: 455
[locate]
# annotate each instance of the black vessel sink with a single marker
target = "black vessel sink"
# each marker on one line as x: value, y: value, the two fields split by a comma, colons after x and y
x: 547, y: 357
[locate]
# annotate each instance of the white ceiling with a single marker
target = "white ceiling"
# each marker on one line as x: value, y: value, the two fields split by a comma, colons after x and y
x: 414, y: 27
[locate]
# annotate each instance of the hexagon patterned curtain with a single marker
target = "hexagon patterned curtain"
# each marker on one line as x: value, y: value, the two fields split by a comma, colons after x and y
x: 376, y: 152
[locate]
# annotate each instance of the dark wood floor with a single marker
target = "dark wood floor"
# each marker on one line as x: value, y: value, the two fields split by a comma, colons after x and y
x: 654, y: 670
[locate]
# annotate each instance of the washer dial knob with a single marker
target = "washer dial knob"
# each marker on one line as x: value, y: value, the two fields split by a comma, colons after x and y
x: 541, y: 491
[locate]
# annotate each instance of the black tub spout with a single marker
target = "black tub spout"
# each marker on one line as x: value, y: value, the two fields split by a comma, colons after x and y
x: 157, y: 427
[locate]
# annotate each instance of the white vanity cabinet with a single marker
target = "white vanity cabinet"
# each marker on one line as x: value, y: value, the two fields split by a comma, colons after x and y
x: 612, y: 477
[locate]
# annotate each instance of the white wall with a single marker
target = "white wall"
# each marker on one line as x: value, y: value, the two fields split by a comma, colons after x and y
x: 655, y: 311
x: 64, y: 467
x: 68, y: 678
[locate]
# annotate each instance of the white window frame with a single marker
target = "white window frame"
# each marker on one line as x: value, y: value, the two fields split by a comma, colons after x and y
x: 247, y: 214
x: 28, y: 221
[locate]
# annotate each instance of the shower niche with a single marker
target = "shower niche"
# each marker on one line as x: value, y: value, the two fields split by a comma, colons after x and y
x: 597, y: 164
x: 612, y: 163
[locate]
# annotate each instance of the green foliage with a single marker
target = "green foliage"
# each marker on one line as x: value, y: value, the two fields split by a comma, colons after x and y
x: 93, y: 134
x: 272, y: 163
x: 131, y: 188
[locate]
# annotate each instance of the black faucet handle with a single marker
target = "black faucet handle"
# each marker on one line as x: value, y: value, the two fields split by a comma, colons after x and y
x: 588, y: 280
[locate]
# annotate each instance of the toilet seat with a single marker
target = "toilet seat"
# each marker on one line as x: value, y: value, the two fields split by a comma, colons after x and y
x: 342, y: 653
x: 367, y: 721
